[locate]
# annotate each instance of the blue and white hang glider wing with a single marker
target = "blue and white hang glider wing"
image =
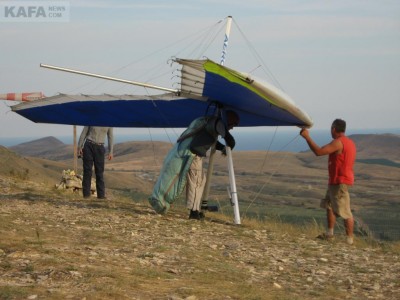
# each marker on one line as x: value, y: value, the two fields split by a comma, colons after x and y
x: 204, y: 84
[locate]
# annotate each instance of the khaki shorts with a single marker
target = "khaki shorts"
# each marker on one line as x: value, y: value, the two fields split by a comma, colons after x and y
x: 337, y: 198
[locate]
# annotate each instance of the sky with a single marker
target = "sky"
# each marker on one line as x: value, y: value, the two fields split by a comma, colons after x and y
x: 336, y: 59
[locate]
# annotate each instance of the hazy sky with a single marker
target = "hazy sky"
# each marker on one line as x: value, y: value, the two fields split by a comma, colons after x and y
x: 334, y: 58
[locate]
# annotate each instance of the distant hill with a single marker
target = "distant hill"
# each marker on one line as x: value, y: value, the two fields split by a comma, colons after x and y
x: 49, y: 156
x: 133, y: 149
x: 377, y: 146
x: 36, y: 145
x: 369, y: 146
x: 47, y: 148
x: 376, y: 149
x: 53, y: 149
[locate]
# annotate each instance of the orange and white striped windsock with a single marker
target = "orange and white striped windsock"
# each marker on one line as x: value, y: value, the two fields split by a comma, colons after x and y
x: 22, y: 96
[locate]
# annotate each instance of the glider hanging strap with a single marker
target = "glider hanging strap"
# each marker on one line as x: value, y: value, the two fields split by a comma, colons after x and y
x: 193, y: 133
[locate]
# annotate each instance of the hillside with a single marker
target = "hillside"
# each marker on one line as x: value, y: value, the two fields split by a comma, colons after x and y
x: 55, y: 245
x: 129, y: 170
x: 28, y: 168
x: 286, y: 184
x: 369, y: 146
x: 378, y: 146
x: 48, y: 148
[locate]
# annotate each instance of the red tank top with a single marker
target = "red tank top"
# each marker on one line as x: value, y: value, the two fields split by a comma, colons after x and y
x: 340, y: 166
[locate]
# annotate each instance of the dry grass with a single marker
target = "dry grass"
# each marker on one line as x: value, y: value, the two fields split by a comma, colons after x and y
x: 56, y: 245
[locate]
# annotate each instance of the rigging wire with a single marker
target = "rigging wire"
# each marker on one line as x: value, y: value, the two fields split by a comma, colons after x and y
x: 205, y: 43
x: 208, y: 28
x: 275, y: 81
x: 259, y: 59
x: 156, y: 164
x: 283, y: 159
x: 191, y: 37
x: 268, y: 149
x: 207, y: 38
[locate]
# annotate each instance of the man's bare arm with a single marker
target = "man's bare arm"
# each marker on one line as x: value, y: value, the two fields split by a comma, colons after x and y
x: 332, y: 147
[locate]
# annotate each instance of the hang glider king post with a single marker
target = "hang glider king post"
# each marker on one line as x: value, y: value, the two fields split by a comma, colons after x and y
x: 232, y: 189
x: 231, y: 173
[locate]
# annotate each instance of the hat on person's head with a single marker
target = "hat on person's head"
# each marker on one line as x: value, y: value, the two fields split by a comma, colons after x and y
x: 232, y: 118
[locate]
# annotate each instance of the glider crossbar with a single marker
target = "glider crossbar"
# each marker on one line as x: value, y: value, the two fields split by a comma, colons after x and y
x: 151, y: 86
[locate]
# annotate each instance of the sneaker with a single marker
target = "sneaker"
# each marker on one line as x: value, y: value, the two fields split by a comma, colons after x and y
x: 326, y: 237
x: 209, y: 207
x: 349, y: 240
x: 196, y: 215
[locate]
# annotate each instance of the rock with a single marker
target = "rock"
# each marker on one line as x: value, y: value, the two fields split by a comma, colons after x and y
x: 323, y: 259
x: 174, y: 297
x: 276, y: 285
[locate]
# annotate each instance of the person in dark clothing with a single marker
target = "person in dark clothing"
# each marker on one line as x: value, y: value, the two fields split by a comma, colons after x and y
x: 183, y: 165
x: 91, y: 149
x: 201, y: 143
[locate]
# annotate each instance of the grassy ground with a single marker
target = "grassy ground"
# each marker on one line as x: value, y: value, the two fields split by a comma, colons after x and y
x: 55, y: 245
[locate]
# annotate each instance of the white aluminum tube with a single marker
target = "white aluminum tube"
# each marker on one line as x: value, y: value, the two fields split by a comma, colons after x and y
x: 146, y: 85
x: 232, y: 183
x: 226, y: 39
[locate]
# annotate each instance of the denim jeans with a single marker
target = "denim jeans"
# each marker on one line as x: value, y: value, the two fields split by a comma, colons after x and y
x: 93, y: 154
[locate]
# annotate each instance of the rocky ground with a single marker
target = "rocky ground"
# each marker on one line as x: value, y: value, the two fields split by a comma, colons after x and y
x: 55, y: 245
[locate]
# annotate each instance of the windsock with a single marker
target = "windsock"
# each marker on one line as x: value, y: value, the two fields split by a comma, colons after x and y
x: 22, y: 96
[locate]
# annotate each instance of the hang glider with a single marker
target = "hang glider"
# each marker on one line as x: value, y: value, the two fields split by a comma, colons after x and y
x: 204, y: 84
x: 206, y: 87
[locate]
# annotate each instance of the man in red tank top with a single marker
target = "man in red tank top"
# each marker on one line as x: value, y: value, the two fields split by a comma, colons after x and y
x: 342, y: 154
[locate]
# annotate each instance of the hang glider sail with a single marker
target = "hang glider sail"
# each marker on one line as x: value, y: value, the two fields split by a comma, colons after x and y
x: 204, y: 84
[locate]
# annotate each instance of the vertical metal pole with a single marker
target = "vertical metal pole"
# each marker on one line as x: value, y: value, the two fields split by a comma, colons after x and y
x: 232, y: 180
x: 232, y: 183
x: 226, y: 39
x: 210, y: 168
x: 75, y: 152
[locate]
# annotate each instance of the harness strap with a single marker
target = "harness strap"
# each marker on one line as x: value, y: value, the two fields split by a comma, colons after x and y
x: 192, y: 133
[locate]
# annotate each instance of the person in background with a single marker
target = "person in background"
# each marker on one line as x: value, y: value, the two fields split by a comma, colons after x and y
x: 183, y: 165
x: 91, y: 149
x: 342, y: 154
